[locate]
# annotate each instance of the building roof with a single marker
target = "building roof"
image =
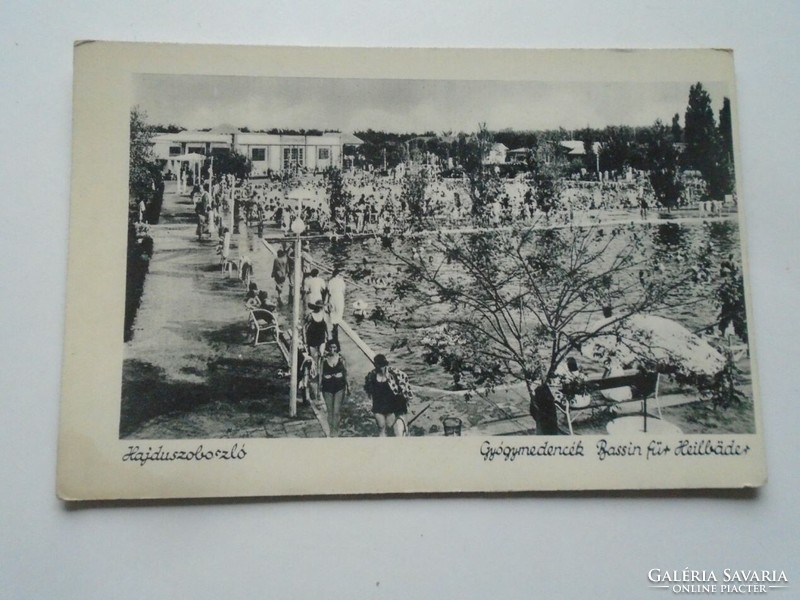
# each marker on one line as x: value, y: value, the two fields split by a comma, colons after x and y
x: 348, y: 139
x: 266, y: 139
x: 215, y: 136
x: 577, y: 148
x: 193, y: 136
x: 225, y: 128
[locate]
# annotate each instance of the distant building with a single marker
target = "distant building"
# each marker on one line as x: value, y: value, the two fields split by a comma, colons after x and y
x: 171, y: 145
x: 518, y: 155
x: 496, y: 155
x: 577, y: 149
x: 266, y: 151
x: 276, y: 152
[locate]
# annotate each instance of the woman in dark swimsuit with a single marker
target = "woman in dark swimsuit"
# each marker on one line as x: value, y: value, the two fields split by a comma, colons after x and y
x: 333, y: 372
x: 315, y: 332
x: 390, y: 393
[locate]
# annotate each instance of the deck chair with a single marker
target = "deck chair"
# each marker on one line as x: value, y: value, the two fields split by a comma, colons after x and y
x: 263, y: 327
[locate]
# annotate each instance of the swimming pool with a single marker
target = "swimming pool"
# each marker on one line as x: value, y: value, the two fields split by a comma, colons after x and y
x: 367, y: 264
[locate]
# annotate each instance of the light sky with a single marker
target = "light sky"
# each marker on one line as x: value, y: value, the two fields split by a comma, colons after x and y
x: 401, y: 106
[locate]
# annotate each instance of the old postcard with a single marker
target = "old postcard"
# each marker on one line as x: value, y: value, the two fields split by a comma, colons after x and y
x: 313, y: 271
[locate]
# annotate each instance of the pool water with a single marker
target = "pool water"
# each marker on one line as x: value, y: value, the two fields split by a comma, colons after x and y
x: 371, y: 271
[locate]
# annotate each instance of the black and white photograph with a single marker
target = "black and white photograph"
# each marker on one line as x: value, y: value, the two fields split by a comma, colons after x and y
x: 498, y: 271
x: 318, y: 257
x: 400, y: 300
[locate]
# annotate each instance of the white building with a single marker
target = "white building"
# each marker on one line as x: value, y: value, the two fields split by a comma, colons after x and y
x: 276, y: 152
x: 266, y: 151
x: 496, y: 154
x: 170, y: 145
x: 576, y: 148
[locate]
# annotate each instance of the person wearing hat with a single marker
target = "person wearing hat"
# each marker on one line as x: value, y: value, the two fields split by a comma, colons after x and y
x: 390, y: 392
x: 333, y: 374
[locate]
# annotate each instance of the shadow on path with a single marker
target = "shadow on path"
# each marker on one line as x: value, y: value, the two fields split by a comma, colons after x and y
x: 225, y: 385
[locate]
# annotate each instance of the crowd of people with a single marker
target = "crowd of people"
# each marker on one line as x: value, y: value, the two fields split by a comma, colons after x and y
x: 379, y: 205
x: 372, y: 203
x: 322, y: 369
x: 388, y: 388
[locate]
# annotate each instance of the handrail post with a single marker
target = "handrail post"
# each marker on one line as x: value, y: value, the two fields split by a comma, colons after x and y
x: 298, y: 282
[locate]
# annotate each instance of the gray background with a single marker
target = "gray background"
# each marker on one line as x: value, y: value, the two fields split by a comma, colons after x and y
x: 544, y: 545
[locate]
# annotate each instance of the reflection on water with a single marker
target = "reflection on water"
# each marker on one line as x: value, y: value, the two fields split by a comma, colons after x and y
x: 367, y: 262
x: 724, y: 237
x: 671, y: 236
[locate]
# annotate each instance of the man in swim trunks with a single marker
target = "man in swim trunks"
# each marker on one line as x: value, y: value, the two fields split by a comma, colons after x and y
x: 314, y: 287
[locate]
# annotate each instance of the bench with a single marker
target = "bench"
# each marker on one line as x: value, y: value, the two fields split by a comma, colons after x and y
x: 642, y: 386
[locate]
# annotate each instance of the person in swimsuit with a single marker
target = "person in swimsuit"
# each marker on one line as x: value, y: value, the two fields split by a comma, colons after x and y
x: 316, y: 334
x: 390, y: 392
x: 314, y: 287
x: 252, y: 299
x: 333, y: 373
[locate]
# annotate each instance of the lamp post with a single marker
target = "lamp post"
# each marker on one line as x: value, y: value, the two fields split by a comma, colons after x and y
x: 231, y: 201
x: 212, y: 227
x: 597, y: 160
x: 298, y: 227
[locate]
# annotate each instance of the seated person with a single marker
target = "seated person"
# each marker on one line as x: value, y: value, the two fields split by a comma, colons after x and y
x: 613, y: 368
x: 256, y: 298
x: 264, y: 301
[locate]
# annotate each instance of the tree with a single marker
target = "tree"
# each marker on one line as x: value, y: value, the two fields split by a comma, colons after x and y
x: 726, y: 146
x: 677, y: 132
x: 548, y: 166
x: 142, y: 168
x: 700, y: 130
x: 661, y: 159
x: 484, y: 184
x: 338, y: 196
x: 591, y: 159
x: 415, y: 185
x: 617, y: 153
x: 232, y: 163
x: 171, y: 128
x: 730, y: 297
x: 510, y: 305
x: 703, y: 145
x: 726, y: 127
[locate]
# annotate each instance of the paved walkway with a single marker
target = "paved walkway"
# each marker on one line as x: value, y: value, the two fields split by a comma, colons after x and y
x: 189, y: 372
